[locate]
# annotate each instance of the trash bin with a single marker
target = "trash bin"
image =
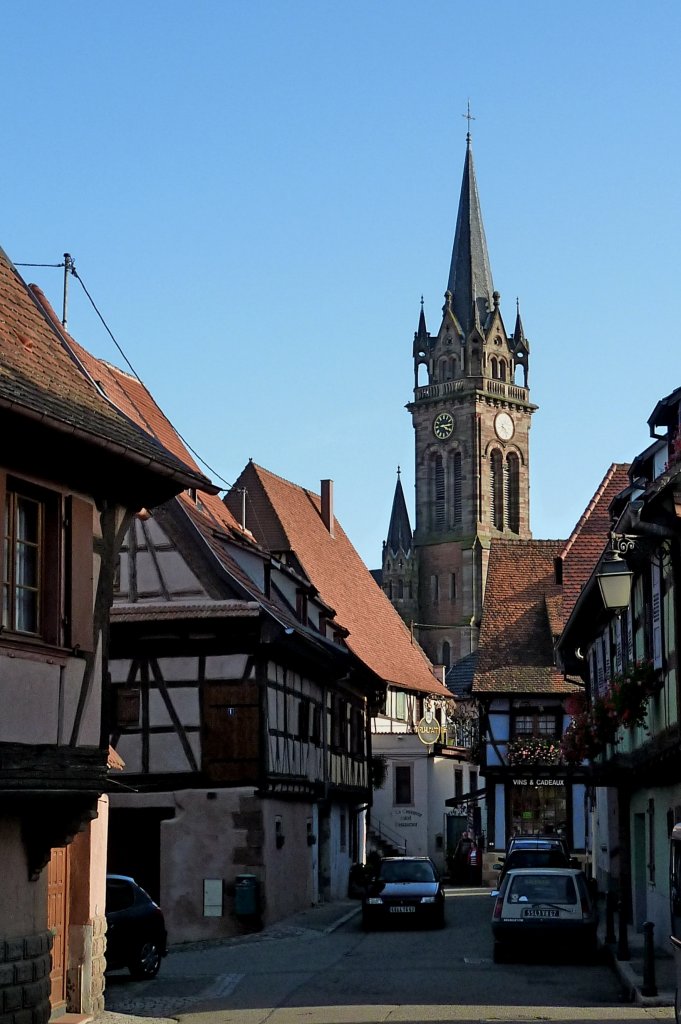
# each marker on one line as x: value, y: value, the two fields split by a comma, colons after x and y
x: 246, y: 896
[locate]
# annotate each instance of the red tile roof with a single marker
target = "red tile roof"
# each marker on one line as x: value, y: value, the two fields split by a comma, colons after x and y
x: 520, y: 618
x: 590, y: 536
x: 287, y: 519
x: 41, y: 379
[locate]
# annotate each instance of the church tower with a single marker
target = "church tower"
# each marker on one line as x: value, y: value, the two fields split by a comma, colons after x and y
x: 471, y: 414
x: 399, y: 576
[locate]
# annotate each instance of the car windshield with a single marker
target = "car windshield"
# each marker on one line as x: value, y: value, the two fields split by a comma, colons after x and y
x: 542, y: 889
x: 406, y: 871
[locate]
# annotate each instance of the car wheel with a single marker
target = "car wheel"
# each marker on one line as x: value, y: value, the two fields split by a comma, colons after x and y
x: 147, y: 961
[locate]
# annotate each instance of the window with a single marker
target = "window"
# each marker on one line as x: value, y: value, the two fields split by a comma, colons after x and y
x: 496, y: 490
x: 458, y: 782
x: 455, y: 487
x: 535, y: 723
x: 22, y: 570
x: 301, y: 606
x: 452, y: 586
x: 339, y: 723
x: 437, y: 490
x: 473, y: 782
x: 435, y: 589
x: 304, y: 719
x: 446, y: 654
x: 401, y: 705
x: 400, y: 589
x: 513, y: 492
x: 403, y: 784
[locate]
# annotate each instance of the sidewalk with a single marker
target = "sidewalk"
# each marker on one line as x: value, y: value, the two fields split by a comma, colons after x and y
x: 630, y: 971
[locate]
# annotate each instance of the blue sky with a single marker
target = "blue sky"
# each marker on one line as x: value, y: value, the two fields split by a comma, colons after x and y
x: 256, y: 195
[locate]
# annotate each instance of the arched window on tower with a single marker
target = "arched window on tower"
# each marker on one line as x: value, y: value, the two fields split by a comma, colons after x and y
x: 422, y: 377
x: 437, y: 491
x: 496, y: 496
x: 513, y: 492
x: 455, y: 488
x: 400, y: 589
x: 494, y: 367
x: 502, y: 369
x: 452, y: 368
x: 446, y: 654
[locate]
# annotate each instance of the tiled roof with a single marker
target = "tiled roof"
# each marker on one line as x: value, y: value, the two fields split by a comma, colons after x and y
x: 590, y: 536
x: 459, y: 678
x: 520, y: 617
x: 41, y: 379
x: 287, y: 518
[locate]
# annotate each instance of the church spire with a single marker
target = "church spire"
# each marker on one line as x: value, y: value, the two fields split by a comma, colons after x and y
x: 399, y: 530
x: 470, y: 277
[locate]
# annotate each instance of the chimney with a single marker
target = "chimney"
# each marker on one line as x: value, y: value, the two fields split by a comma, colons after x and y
x: 327, y: 505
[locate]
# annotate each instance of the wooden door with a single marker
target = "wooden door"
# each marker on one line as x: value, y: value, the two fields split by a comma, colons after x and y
x: 57, y: 919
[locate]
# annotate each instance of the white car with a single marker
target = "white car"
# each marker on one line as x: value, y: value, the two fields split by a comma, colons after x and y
x: 544, y: 908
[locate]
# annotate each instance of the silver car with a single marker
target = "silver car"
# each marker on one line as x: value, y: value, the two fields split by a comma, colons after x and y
x: 544, y: 908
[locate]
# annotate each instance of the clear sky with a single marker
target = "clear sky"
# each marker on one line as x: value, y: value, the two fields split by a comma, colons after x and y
x: 256, y: 195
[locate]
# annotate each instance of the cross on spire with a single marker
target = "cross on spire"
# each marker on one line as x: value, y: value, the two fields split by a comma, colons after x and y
x: 469, y: 117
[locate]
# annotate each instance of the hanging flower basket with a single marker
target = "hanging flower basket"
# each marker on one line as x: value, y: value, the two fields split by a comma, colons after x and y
x: 625, y: 704
x: 533, y: 750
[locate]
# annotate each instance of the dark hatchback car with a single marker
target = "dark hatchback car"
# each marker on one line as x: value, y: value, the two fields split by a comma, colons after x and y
x: 404, y: 889
x: 136, y: 935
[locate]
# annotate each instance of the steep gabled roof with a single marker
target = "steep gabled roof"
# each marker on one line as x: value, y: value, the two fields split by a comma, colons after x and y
x: 520, y: 619
x: 590, y: 536
x: 287, y: 519
x: 42, y: 380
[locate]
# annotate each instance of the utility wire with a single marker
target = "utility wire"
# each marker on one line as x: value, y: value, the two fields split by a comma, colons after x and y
x: 133, y: 371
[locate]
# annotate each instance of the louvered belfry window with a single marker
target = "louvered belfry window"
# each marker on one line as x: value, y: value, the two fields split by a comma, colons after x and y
x: 438, y: 491
x: 496, y: 479
x: 513, y: 492
x: 455, y: 470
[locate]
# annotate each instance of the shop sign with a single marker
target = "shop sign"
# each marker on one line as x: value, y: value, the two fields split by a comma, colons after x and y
x: 428, y: 730
x: 539, y: 782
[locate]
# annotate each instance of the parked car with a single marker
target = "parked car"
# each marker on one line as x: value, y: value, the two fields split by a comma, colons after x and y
x: 404, y: 889
x: 539, y: 842
x: 136, y: 935
x: 522, y: 856
x: 547, y: 908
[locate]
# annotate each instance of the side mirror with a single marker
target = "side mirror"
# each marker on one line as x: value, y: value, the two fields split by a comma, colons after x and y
x: 494, y: 892
x: 497, y: 867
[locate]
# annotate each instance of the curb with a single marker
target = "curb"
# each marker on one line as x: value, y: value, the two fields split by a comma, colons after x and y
x: 631, y: 982
x: 341, y: 920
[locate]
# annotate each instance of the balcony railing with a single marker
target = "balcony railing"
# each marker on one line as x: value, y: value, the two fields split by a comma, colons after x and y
x: 497, y: 388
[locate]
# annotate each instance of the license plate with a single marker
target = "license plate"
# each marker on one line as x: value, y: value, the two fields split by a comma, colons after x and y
x: 540, y: 913
x: 402, y: 910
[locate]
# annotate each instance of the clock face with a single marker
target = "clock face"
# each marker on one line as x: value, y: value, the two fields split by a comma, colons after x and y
x: 443, y: 425
x: 503, y: 425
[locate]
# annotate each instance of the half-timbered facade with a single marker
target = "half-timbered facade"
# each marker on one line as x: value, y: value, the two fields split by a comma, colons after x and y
x: 299, y: 527
x: 73, y: 471
x: 239, y: 712
x: 627, y: 736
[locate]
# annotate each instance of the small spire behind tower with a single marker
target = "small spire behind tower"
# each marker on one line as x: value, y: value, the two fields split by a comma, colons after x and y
x: 399, y: 530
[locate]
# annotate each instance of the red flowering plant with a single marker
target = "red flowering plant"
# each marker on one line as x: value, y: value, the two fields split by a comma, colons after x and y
x: 532, y: 750
x: 625, y: 703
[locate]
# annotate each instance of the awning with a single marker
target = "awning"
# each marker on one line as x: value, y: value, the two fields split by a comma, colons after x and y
x: 466, y: 798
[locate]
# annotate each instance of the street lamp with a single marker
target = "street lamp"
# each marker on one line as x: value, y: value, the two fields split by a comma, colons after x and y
x: 614, y: 581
